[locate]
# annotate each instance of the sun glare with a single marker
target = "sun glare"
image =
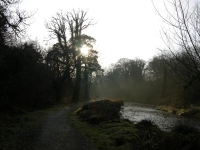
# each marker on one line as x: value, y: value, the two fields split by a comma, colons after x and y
x: 84, y: 50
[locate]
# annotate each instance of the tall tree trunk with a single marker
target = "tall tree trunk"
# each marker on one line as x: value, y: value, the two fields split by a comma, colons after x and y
x: 86, y: 83
x: 164, y: 83
x: 77, y: 89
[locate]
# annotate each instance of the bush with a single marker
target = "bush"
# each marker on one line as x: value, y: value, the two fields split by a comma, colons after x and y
x: 145, y: 124
x: 185, y: 129
x: 99, y: 111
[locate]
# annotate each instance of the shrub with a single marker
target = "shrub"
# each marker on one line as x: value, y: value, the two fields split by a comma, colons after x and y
x: 145, y: 124
x: 104, y: 110
x: 184, y: 129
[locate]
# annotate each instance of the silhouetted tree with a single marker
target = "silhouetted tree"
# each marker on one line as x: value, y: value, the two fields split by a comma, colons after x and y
x: 77, y: 23
x: 91, y: 67
x: 72, y: 24
x: 57, y: 69
x: 12, y: 21
x: 184, y: 35
x: 22, y: 80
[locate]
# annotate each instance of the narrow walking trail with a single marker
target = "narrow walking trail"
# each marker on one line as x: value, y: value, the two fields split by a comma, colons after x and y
x: 58, y: 133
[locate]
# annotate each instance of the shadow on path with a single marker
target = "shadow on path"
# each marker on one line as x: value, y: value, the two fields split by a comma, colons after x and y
x: 58, y: 133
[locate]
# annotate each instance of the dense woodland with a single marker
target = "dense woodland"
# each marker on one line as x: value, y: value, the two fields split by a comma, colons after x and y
x: 32, y: 77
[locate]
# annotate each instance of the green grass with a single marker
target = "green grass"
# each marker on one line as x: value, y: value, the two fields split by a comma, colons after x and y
x: 112, y: 136
x: 19, y: 132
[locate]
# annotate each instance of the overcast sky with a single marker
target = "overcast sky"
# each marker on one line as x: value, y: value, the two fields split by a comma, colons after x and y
x: 124, y: 29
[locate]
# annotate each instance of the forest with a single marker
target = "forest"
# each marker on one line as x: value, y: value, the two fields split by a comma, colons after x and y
x: 58, y: 96
x: 33, y: 77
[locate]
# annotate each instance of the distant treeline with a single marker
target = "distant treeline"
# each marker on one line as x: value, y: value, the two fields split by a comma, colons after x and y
x: 162, y: 80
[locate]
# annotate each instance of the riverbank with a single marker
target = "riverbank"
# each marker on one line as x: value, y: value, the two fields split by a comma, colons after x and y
x: 189, y: 112
x: 119, y: 134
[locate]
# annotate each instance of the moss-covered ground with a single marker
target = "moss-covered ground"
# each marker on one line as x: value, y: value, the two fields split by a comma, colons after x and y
x: 190, y: 111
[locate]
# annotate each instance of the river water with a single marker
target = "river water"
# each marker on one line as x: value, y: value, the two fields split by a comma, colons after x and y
x: 137, y: 112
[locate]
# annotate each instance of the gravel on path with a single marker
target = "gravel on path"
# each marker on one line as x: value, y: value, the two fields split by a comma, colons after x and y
x: 58, y: 133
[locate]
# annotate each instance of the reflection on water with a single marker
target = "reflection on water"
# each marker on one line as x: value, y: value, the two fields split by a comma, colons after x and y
x: 137, y: 112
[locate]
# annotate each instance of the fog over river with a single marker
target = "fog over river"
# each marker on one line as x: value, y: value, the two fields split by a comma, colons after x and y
x: 136, y: 112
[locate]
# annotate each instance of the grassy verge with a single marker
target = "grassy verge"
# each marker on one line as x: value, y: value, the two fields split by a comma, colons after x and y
x: 119, y: 134
x: 19, y: 132
x: 107, y: 135
x: 191, y: 112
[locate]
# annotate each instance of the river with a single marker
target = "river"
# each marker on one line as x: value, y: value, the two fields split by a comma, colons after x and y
x: 136, y: 112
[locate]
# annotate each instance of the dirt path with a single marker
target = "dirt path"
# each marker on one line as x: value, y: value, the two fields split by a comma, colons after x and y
x: 58, y: 133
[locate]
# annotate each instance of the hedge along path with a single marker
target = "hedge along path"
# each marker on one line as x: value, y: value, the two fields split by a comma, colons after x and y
x: 58, y: 132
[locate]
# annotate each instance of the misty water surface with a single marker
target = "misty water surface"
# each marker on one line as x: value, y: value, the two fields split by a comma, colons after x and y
x: 137, y: 112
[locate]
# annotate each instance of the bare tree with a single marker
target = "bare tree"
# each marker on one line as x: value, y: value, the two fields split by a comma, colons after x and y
x: 71, y: 25
x: 13, y: 22
x: 183, y: 36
